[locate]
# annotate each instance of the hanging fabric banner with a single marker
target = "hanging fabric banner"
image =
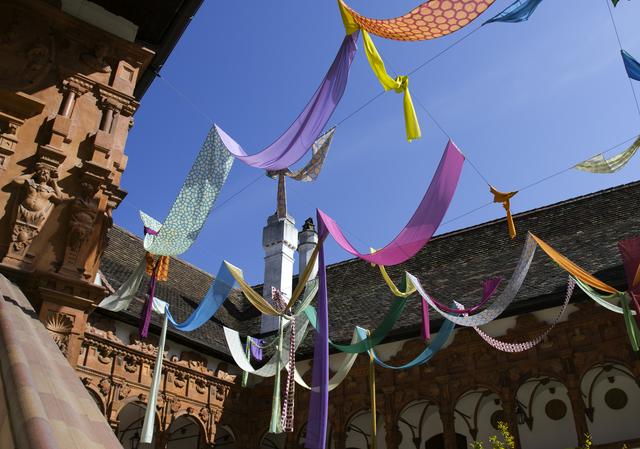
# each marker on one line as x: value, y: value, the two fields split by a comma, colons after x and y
x: 319, y: 396
x: 630, y: 252
x: 291, y: 146
x: 573, y: 269
x: 430, y: 20
x: 623, y: 299
x: 400, y: 85
x: 194, y: 202
x: 377, y: 336
x: 372, y: 395
x: 436, y: 344
x: 422, y: 224
x: 218, y: 292
x: 518, y: 11
x: 312, y: 169
x: 505, y: 199
x: 525, y: 346
x: 150, y: 413
x: 504, y: 299
x: 598, y: 164
x: 631, y: 65
x: 341, y: 372
x: 121, y: 298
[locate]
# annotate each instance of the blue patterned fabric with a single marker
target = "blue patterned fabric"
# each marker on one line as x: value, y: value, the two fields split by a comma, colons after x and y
x: 631, y: 65
x: 194, y: 202
x: 518, y: 11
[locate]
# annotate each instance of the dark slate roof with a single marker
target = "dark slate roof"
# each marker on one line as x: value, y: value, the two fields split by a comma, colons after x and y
x: 452, y: 266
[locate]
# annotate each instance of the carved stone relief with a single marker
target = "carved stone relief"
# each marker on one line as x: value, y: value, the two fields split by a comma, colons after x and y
x: 60, y: 326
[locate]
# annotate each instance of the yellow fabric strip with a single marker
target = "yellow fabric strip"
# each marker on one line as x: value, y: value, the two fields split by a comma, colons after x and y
x: 254, y: 298
x: 350, y: 24
x: 399, y: 84
x: 574, y: 269
x: 262, y: 304
x: 505, y: 199
x: 410, y: 289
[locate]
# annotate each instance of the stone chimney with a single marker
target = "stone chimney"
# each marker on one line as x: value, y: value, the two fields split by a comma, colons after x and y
x: 280, y: 241
x: 308, y: 239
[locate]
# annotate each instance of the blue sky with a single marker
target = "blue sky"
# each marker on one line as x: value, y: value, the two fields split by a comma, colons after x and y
x: 522, y: 101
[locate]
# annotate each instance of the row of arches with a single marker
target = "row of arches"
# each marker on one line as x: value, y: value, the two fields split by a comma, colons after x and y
x: 544, y: 414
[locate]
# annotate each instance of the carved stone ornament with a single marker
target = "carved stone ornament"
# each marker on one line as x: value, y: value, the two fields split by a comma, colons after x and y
x: 201, y: 386
x: 180, y: 380
x: 104, y: 386
x: 175, y: 406
x: 60, y: 326
x: 205, y: 413
x: 96, y: 59
x: 26, y: 49
x: 84, y: 210
x: 131, y: 364
x: 125, y: 390
x: 39, y: 193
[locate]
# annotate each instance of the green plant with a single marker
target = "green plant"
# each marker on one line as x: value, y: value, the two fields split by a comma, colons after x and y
x: 508, y: 443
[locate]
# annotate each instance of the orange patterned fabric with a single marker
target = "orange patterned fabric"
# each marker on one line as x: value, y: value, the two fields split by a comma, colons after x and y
x: 432, y: 19
x: 162, y: 272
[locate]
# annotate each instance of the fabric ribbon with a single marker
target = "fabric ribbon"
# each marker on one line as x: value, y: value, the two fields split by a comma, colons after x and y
x: 623, y: 298
x: 288, y: 403
x: 505, y: 199
x: 194, y: 201
x: 422, y: 224
x: 311, y: 170
x: 372, y: 394
x: 150, y: 413
x: 319, y: 397
x: 598, y: 164
x: 430, y: 20
x: 525, y: 346
x: 145, y: 315
x: 258, y: 301
x: 436, y: 344
x: 518, y: 11
x: 573, y: 269
x: 291, y: 146
x: 504, y: 299
x: 631, y: 65
x: 400, y: 84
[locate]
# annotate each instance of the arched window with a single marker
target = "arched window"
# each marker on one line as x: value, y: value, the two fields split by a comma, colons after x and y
x: 224, y: 438
x: 359, y: 433
x: 130, y: 421
x: 419, y: 421
x: 185, y: 433
x: 476, y: 414
x: 274, y: 441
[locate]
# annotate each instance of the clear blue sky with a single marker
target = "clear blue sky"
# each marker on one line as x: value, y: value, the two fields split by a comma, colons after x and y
x: 522, y: 101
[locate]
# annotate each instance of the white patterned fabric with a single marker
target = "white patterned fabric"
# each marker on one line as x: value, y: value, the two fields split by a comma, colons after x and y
x: 525, y: 346
x: 194, y: 202
x: 503, y: 300
x: 598, y: 164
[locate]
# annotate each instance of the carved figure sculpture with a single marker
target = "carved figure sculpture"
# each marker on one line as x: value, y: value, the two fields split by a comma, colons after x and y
x: 41, y: 193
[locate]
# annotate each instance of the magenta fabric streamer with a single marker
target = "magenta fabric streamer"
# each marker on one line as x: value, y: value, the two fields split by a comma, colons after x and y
x: 630, y: 252
x: 424, y: 221
x: 319, y: 397
x: 145, y: 318
x: 291, y: 146
x: 425, y: 332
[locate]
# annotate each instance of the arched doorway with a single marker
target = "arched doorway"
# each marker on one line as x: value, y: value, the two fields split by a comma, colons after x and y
x: 476, y: 414
x: 130, y: 421
x: 225, y: 438
x: 359, y: 431
x: 437, y: 442
x: 185, y: 433
x: 419, y: 421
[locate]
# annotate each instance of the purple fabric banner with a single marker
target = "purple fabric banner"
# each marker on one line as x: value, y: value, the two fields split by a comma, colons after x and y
x: 630, y: 252
x: 424, y: 221
x: 319, y: 397
x: 291, y: 146
x: 256, y: 349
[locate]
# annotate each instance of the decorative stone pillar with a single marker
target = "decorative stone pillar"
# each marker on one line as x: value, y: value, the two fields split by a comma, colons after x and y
x: 578, y: 408
x: 280, y: 241
x: 448, y: 426
x: 393, y: 436
x: 509, y: 409
x: 308, y: 240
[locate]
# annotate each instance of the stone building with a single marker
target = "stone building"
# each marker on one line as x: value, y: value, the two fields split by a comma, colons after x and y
x: 72, y: 73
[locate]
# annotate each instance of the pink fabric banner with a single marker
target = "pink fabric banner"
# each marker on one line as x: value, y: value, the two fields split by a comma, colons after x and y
x: 424, y: 221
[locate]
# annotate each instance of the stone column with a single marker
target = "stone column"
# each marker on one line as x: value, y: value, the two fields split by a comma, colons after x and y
x: 308, y: 240
x: 448, y: 426
x: 280, y: 241
x: 509, y: 409
x: 578, y: 409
